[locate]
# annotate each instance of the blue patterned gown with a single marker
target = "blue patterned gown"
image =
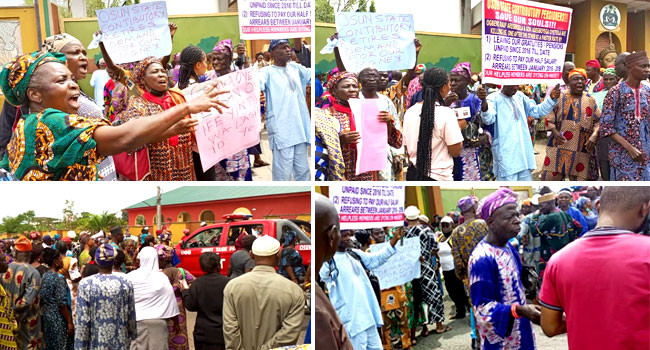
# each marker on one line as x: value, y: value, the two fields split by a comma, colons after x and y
x: 105, y: 318
x: 495, y: 284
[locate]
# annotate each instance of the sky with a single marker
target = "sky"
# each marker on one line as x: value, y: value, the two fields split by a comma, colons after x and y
x: 47, y: 199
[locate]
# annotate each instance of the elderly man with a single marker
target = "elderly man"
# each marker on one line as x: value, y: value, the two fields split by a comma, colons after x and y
x: 625, y: 119
x: 287, y: 116
x: 502, y: 315
x: 22, y: 282
x: 564, y: 200
x: 512, y: 149
x: 261, y: 309
x: 608, y: 263
x: 328, y: 326
x: 351, y: 292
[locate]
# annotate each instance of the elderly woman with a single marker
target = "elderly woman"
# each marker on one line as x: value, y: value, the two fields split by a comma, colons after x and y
x: 178, y: 339
x: 344, y: 86
x: 236, y: 167
x: 53, y: 142
x: 467, y: 166
x: 570, y: 152
x: 170, y: 158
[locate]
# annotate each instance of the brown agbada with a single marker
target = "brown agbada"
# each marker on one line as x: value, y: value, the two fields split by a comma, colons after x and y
x: 329, y: 331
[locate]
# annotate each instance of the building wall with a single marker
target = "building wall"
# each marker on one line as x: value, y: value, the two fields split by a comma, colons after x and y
x: 440, y: 50
x: 289, y: 206
x: 445, y: 19
x: 587, y: 15
x: 17, y: 32
x: 638, y: 31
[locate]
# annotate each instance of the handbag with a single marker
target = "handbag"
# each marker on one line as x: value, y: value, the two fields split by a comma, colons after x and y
x: 134, y: 166
x: 472, y: 130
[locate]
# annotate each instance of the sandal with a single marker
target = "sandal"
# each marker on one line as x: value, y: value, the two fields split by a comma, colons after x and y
x: 424, y: 334
x: 260, y: 164
x: 447, y: 329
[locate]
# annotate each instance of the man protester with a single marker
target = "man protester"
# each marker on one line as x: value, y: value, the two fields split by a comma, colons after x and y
x: 22, y: 282
x: 105, y: 316
x: 328, y: 326
x: 350, y: 289
x: 625, y: 119
x: 287, y: 116
x: 551, y: 229
x: 117, y: 237
x: 503, y: 316
x: 205, y: 296
x: 609, y: 263
x: 566, y: 68
x: 594, y: 80
x: 98, y: 80
x: 610, y: 79
x: 262, y: 309
x: 512, y: 150
x: 464, y: 239
x: 619, y: 66
x: 564, y: 199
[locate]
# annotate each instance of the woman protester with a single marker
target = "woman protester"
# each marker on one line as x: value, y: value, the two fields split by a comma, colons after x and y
x: 291, y: 265
x: 155, y: 302
x: 56, y: 299
x: 431, y: 132
x: 236, y: 167
x: 574, y: 125
x: 178, y: 339
x: 53, y: 142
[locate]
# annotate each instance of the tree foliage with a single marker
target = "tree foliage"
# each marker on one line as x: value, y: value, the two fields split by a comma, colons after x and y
x: 325, y: 9
x: 18, y: 224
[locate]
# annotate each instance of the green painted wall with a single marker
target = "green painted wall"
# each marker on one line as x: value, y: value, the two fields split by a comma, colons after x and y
x: 450, y: 196
x: 202, y: 31
x: 437, y: 50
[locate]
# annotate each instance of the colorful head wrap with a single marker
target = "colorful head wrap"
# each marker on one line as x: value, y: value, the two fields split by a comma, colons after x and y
x: 224, y: 46
x: 276, y: 42
x: 57, y: 237
x: 23, y: 244
x: 635, y: 56
x: 336, y: 78
x: 56, y: 42
x: 464, y: 69
x: 164, y: 252
x: 526, y: 202
x: 288, y: 237
x: 34, y: 235
x: 579, y: 71
x: 332, y: 73
x: 494, y: 201
x: 16, y: 74
x: 465, y: 203
x: 105, y: 255
x: 141, y: 68
x: 420, y: 68
x: 165, y: 236
x: 610, y: 71
x: 593, y: 63
x: 580, y: 202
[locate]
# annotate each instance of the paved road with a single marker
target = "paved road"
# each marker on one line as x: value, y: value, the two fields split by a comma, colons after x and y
x: 459, y: 337
x: 264, y: 173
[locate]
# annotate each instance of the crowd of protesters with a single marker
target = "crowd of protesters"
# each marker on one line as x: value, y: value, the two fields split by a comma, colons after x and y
x: 104, y: 292
x: 560, y: 260
x: 158, y: 143
x: 592, y: 128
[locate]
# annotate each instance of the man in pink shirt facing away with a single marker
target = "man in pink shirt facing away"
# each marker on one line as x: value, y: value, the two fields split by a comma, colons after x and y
x: 601, y: 282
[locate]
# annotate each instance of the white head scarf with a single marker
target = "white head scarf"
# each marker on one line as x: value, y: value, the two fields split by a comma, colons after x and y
x: 154, y: 295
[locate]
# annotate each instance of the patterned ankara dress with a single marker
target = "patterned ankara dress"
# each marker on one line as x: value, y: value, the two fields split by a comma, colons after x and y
x: 495, y: 284
x: 55, y: 293
x: 53, y: 145
x: 626, y: 111
x: 171, y: 159
x: 576, y: 119
x: 431, y: 292
x: 470, y: 167
x: 105, y: 317
x: 22, y: 282
x: 178, y: 339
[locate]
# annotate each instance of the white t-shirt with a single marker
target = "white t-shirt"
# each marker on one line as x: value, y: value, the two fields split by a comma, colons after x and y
x: 446, y: 259
x: 446, y: 132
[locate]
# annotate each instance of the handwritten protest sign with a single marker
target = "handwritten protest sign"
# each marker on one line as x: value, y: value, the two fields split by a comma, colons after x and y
x: 382, y: 40
x: 134, y: 32
x: 524, y: 42
x: 219, y: 136
x: 402, y: 267
x: 274, y: 19
x: 362, y: 207
x: 372, y: 149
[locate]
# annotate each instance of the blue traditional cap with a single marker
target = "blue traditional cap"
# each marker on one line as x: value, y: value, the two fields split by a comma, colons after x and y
x: 276, y: 42
x: 105, y: 255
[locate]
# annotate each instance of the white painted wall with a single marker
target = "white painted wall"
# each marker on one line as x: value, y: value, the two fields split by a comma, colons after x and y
x: 440, y: 16
x: 10, y: 3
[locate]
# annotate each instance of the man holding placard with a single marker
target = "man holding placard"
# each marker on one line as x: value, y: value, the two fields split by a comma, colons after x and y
x: 287, y: 117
